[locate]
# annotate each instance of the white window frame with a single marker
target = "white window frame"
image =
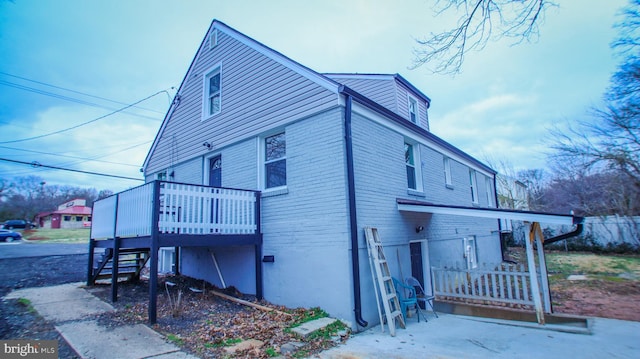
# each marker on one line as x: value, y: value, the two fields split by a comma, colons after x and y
x: 417, y: 164
x: 213, y: 71
x: 213, y: 39
x: 264, y: 162
x: 162, y: 175
x: 410, y: 100
x: 489, y: 188
x: 447, y: 171
x: 470, y: 251
x: 473, y: 184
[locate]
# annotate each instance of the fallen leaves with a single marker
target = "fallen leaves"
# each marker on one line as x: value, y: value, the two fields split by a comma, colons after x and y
x: 207, y: 324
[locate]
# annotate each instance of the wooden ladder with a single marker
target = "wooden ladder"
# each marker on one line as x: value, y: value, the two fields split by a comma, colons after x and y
x: 383, y: 283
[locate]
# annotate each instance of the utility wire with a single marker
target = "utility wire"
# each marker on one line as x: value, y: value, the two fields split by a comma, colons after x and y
x: 95, y: 159
x: 70, y: 99
x: 100, y: 156
x: 84, y: 123
x: 74, y: 91
x: 37, y: 164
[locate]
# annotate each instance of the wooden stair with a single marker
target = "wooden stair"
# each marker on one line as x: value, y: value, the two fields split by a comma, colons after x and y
x: 130, y: 264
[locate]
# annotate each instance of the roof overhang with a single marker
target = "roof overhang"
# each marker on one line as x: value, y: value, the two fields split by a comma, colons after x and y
x: 405, y: 205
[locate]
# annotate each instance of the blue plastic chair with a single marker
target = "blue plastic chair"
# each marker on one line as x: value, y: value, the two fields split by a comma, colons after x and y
x: 406, y: 301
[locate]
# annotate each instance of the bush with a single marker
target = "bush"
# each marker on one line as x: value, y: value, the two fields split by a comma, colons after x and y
x: 587, y: 243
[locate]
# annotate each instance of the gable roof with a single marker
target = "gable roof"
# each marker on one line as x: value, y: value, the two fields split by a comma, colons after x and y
x: 270, y: 53
x: 414, y: 128
x: 324, y: 80
x: 74, y: 210
x: 388, y: 77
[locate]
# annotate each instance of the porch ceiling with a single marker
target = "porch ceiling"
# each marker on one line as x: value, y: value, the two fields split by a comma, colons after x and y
x: 406, y: 205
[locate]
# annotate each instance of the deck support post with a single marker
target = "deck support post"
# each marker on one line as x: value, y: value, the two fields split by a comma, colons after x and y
x: 114, y: 270
x: 153, y: 266
x: 544, y: 277
x: 92, y: 247
x: 258, y: 252
x: 533, y: 275
x: 176, y: 260
x: 258, y: 248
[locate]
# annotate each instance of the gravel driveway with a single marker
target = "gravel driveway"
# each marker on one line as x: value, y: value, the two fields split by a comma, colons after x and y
x: 16, y: 321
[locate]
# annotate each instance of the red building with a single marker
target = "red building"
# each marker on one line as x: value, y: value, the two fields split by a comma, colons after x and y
x: 72, y: 214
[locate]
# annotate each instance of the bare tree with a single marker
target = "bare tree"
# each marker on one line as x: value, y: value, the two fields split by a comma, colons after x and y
x: 611, y: 141
x: 512, y: 192
x: 480, y: 22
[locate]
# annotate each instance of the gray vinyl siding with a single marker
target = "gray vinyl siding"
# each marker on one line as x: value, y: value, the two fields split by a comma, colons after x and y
x: 257, y: 93
x: 381, y: 91
x: 402, y: 95
x: 386, y: 92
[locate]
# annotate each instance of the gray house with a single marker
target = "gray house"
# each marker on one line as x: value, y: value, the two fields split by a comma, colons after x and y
x: 327, y: 155
x: 330, y: 154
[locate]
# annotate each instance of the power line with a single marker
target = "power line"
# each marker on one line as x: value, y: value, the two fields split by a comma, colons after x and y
x: 76, y: 157
x: 74, y: 91
x: 84, y: 123
x: 37, y: 164
x: 70, y: 99
x: 109, y: 154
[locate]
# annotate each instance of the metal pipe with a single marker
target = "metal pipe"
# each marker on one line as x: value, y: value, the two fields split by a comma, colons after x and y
x: 353, y: 220
x: 575, y: 232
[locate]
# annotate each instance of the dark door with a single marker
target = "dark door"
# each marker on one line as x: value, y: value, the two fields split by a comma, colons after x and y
x: 415, y: 249
x: 417, y: 272
x: 215, y: 171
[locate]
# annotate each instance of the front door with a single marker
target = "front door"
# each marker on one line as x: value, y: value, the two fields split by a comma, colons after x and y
x: 215, y: 171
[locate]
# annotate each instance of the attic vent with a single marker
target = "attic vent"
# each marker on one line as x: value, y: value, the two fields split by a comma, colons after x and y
x: 213, y: 39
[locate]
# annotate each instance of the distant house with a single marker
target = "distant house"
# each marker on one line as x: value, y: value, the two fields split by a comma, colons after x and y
x: 512, y: 194
x: 71, y: 214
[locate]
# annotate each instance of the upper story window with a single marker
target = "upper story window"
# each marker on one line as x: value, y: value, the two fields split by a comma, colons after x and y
x: 411, y: 158
x: 413, y: 109
x: 275, y: 161
x: 213, y: 92
x: 447, y: 171
x: 474, y: 186
x: 213, y: 39
x: 489, y: 190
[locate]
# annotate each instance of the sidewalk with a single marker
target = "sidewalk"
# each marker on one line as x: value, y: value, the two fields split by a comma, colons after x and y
x: 453, y: 336
x: 70, y: 308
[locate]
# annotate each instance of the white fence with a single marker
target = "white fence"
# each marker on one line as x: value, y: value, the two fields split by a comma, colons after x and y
x: 192, y: 209
x: 503, y: 283
x: 182, y: 208
x: 614, y: 229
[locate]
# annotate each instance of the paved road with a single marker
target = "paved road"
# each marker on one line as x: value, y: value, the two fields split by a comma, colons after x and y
x: 22, y: 249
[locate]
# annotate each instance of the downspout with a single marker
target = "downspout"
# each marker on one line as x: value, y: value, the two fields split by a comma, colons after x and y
x: 576, y: 232
x: 353, y: 222
x: 496, y: 199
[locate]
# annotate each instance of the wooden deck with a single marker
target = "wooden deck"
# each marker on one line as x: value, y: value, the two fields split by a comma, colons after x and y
x: 168, y: 214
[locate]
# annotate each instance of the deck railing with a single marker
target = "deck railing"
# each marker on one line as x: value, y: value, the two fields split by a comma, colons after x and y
x: 182, y: 209
x: 501, y: 283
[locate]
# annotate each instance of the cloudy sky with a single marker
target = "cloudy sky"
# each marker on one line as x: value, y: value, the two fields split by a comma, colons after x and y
x: 64, y: 63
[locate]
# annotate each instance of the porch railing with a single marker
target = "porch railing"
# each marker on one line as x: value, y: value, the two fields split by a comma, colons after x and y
x: 182, y: 208
x: 503, y: 283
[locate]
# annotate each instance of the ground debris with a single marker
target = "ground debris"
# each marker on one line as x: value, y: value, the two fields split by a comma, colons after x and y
x: 206, y: 325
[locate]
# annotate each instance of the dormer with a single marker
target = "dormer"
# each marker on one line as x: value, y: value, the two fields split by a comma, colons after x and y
x: 391, y: 91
